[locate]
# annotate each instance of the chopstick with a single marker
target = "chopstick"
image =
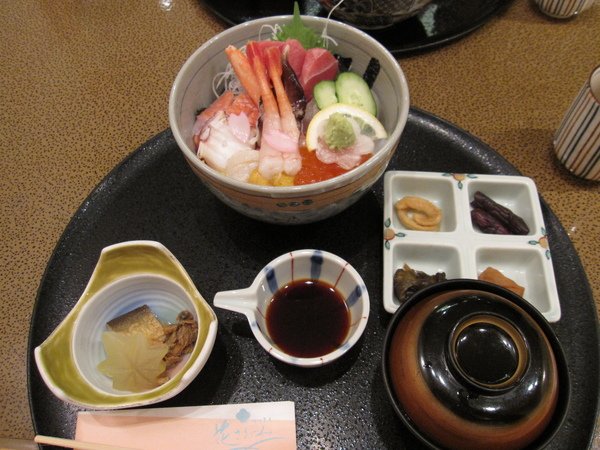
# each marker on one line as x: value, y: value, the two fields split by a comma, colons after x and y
x: 71, y: 443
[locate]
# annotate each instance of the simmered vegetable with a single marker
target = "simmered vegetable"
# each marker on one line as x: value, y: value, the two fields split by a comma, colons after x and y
x: 503, y: 216
x: 408, y: 281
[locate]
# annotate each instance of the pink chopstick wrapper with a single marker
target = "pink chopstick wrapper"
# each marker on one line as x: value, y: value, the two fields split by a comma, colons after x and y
x: 260, y: 426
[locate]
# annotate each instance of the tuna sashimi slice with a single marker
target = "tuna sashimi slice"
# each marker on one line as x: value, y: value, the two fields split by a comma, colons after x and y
x: 295, y: 55
x: 319, y: 64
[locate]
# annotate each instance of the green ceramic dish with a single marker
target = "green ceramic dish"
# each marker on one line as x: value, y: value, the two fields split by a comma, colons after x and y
x: 126, y: 276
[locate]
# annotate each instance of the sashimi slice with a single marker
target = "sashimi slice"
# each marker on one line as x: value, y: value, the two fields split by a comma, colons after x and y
x: 208, y: 113
x: 319, y: 64
x: 296, y: 53
x: 242, y: 103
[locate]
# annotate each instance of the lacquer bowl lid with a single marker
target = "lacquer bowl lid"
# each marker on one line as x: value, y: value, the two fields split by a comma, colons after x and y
x: 468, y: 364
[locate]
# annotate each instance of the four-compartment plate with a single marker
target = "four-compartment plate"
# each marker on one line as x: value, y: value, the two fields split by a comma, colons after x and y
x: 459, y: 248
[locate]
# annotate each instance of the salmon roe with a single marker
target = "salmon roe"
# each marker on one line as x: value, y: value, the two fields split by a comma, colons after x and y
x: 314, y: 170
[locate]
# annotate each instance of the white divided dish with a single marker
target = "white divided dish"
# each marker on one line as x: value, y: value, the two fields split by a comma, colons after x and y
x: 459, y: 248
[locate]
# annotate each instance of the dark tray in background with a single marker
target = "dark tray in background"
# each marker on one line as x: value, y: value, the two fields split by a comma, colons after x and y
x: 154, y: 195
x: 439, y: 23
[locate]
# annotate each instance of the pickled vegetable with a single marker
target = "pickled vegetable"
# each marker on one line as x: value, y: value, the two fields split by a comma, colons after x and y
x: 493, y: 275
x: 408, y: 281
x: 133, y: 361
x: 504, y: 216
x: 487, y: 223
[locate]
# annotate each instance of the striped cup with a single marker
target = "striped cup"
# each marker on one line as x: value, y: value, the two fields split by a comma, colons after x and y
x: 577, y: 140
x: 563, y: 9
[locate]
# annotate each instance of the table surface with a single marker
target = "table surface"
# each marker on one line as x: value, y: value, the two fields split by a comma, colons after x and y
x: 86, y: 83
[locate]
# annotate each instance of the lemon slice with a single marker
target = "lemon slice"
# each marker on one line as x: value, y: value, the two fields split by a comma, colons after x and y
x: 368, y: 123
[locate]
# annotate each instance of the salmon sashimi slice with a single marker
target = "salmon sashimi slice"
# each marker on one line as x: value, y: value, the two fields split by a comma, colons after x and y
x: 209, y: 112
x: 242, y: 103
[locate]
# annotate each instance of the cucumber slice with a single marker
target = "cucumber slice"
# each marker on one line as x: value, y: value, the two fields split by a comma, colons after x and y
x: 353, y: 90
x: 324, y: 93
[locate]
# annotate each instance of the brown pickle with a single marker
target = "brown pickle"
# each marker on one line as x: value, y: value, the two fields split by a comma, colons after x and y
x: 408, y: 281
x: 498, y: 217
x: 487, y: 223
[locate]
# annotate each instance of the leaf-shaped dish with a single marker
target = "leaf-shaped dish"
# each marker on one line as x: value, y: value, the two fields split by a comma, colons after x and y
x: 127, y: 275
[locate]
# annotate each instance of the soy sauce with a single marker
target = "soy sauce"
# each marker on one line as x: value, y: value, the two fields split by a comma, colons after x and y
x: 308, y: 318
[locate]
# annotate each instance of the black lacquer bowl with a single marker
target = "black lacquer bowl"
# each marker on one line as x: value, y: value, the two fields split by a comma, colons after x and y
x: 375, y: 14
x: 470, y: 365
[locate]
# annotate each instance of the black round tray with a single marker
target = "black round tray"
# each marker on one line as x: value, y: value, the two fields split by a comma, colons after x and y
x: 154, y: 195
x: 440, y: 23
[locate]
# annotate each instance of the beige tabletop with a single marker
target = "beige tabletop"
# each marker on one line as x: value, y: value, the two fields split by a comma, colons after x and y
x: 85, y: 83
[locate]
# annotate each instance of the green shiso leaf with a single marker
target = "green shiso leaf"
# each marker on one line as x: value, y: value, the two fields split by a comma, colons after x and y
x: 297, y: 30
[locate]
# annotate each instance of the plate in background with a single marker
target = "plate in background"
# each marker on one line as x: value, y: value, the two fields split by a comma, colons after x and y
x: 441, y: 21
x: 154, y: 195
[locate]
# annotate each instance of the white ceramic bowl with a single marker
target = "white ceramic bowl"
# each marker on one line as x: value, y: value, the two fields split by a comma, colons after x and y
x: 192, y: 90
x: 298, y: 265
x: 128, y: 275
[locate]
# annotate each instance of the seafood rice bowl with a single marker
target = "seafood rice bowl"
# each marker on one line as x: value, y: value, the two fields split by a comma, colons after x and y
x: 289, y: 119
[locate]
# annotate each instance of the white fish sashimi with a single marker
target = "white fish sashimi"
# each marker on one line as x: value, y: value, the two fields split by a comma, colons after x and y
x: 350, y: 157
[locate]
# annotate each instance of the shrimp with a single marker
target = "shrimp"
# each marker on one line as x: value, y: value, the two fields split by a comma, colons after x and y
x: 292, y: 162
x: 270, y: 163
x: 279, y: 152
x: 243, y: 70
x: 286, y: 113
x: 279, y: 140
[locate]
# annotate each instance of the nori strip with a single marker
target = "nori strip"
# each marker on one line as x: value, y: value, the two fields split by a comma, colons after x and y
x: 371, y: 72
